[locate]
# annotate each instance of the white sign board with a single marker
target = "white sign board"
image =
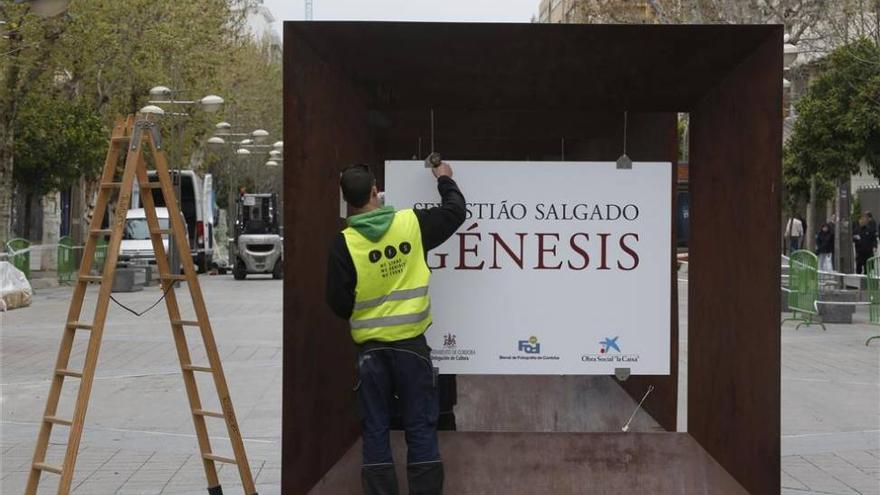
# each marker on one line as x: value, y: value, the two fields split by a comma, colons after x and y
x: 560, y: 267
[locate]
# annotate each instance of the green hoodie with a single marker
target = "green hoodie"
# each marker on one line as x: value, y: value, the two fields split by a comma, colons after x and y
x: 373, y: 224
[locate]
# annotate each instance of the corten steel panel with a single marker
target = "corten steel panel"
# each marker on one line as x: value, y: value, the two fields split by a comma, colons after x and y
x: 558, y: 464
x: 325, y: 127
x: 545, y: 403
x: 532, y: 66
x: 355, y: 90
x: 733, y: 320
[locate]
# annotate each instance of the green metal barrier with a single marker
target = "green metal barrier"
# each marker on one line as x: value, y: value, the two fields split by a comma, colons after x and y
x: 873, y: 294
x: 100, y: 254
x: 22, y: 261
x: 803, y: 288
x: 66, y: 260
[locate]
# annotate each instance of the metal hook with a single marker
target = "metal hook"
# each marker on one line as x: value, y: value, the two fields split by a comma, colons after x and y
x: 624, y: 162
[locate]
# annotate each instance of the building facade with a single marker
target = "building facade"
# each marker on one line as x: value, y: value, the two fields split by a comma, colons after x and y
x: 590, y: 11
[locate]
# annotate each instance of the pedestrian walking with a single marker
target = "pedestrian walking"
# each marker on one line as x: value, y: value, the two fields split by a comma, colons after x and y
x: 865, y: 241
x: 825, y: 247
x: 377, y: 279
x: 794, y: 231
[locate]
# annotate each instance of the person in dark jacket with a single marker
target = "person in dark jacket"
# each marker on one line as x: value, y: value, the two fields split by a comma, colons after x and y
x: 865, y: 241
x: 872, y: 226
x: 825, y: 247
x: 377, y: 279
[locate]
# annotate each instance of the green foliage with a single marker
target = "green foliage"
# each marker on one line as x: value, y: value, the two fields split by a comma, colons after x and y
x: 107, y: 54
x: 796, y: 181
x: 838, y: 124
x: 57, y: 142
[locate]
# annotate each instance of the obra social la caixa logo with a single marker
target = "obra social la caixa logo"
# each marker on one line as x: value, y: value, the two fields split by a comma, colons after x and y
x: 610, y: 351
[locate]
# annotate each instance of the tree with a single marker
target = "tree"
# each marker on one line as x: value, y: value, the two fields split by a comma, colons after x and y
x: 26, y: 43
x: 253, y: 87
x: 57, y: 142
x: 838, y: 124
x: 108, y: 54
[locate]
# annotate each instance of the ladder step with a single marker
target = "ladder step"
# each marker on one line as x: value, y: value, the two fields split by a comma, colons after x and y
x: 58, y: 421
x: 79, y: 326
x: 111, y: 185
x: 162, y: 232
x: 173, y: 277
x: 66, y: 372
x: 215, y: 457
x: 192, y: 367
x: 202, y: 412
x: 100, y: 232
x: 42, y: 466
x: 121, y: 139
x: 90, y: 278
x: 185, y: 323
x: 151, y: 185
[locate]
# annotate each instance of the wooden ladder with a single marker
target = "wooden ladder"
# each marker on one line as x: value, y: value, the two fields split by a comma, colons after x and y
x: 129, y: 139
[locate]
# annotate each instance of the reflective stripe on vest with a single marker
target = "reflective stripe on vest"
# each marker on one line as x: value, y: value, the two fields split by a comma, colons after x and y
x: 391, y: 296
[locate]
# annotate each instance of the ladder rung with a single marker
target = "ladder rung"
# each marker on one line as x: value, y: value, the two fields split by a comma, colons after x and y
x: 91, y: 278
x: 202, y: 412
x: 100, y: 232
x: 58, y: 421
x: 162, y: 232
x: 215, y: 457
x: 121, y: 139
x: 173, y: 277
x: 185, y: 323
x: 78, y: 325
x: 151, y: 185
x: 192, y: 367
x: 42, y: 466
x: 66, y: 372
x: 110, y: 185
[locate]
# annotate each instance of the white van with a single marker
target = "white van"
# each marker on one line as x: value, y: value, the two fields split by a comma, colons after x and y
x: 136, y: 244
x: 197, y: 205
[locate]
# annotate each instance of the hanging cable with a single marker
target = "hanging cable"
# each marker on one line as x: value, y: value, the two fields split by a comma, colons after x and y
x: 123, y: 306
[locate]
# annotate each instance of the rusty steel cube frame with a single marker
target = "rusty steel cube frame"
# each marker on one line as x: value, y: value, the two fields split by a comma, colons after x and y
x: 362, y: 91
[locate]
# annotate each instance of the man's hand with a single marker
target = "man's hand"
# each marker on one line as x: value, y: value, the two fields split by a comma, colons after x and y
x: 442, y: 170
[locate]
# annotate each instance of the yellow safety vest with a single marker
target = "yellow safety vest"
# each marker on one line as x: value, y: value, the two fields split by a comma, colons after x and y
x: 391, y: 299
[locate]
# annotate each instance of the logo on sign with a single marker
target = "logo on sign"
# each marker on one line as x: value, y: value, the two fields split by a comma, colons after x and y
x: 528, y: 350
x: 531, y: 346
x: 451, y: 351
x: 609, y: 344
x: 610, y: 352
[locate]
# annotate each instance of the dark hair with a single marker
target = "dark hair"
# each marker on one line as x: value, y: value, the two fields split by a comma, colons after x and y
x: 357, y: 182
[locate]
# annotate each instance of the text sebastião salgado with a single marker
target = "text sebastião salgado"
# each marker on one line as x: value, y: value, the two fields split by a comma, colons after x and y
x: 588, y: 247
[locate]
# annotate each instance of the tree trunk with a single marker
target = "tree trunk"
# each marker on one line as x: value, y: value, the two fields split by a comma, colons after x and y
x: 810, y: 227
x: 28, y: 211
x: 51, y: 204
x: 6, y: 186
x: 843, y: 245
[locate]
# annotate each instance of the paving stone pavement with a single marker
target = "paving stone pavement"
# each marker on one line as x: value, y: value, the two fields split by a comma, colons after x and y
x: 139, y: 436
x: 831, y: 409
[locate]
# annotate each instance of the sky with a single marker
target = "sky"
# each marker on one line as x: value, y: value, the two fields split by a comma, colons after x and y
x: 406, y: 10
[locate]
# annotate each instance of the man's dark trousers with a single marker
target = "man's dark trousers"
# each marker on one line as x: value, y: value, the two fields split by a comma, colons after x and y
x: 385, y: 372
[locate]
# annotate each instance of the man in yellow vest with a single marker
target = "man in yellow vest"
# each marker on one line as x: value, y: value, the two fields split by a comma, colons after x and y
x: 377, y: 279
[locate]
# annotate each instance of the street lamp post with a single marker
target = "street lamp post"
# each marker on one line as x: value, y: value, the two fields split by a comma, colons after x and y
x: 163, y: 95
x: 248, y: 147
